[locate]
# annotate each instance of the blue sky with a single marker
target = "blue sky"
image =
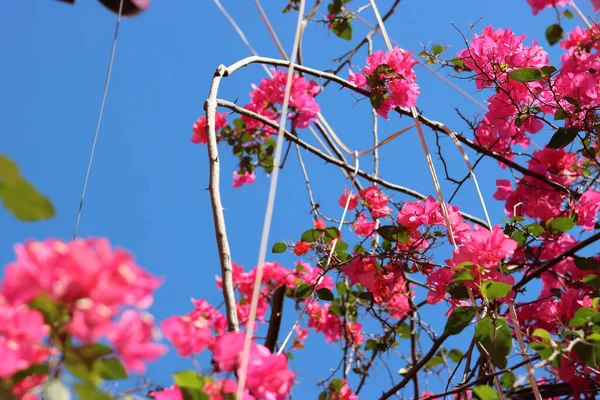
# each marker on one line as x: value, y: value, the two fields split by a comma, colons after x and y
x: 147, y: 187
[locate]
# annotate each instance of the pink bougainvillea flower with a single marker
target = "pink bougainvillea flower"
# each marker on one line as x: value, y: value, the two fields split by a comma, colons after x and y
x: 271, y: 91
x: 485, y: 248
x: 172, y: 393
x: 539, y: 5
x: 587, y: 208
x: 132, y: 339
x: 302, y: 248
x: 393, y: 78
x: 344, y: 199
x: 268, y: 375
x: 199, y: 127
x: 345, y: 393
x: 243, y: 179
x: 22, y: 331
x: 362, y: 227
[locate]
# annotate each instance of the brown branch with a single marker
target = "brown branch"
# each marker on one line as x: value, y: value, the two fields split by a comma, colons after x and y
x: 240, y: 110
x: 217, y: 207
x: 275, y: 319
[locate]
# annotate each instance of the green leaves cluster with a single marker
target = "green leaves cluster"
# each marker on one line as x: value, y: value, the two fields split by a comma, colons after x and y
x: 19, y: 196
x: 340, y: 25
x: 253, y: 148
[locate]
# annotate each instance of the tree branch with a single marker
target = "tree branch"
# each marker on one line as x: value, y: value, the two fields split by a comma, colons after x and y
x: 215, y: 195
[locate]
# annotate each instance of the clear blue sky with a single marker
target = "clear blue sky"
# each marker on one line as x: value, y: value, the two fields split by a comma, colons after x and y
x: 147, y: 187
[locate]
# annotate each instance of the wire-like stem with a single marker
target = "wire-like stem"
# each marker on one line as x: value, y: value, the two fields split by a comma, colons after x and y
x: 243, y: 370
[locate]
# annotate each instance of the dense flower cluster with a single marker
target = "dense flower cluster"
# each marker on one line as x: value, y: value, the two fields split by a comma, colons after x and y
x: 534, y: 198
x: 271, y: 91
x: 391, y: 78
x: 99, y: 293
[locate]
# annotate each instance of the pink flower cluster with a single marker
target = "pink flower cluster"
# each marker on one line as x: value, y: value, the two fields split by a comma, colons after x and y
x: 94, y: 283
x: 274, y: 275
x: 200, y: 127
x: 512, y: 109
x: 192, y: 333
x: 391, y: 76
x: 538, y: 200
x: 539, y: 5
x: 268, y: 376
x: 22, y: 332
x: 322, y: 320
x: 271, y: 91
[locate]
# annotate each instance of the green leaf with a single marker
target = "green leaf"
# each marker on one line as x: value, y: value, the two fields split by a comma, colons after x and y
x: 111, y: 369
x: 191, y: 385
x: 568, y: 14
x: 562, y: 224
x: 88, y: 392
x: 525, y: 75
x: 341, y: 288
x: 340, y: 246
x: 589, y: 353
x: 582, y: 316
x: 434, y: 361
x: 547, y: 70
x: 508, y: 380
x: 464, y: 275
x: 93, y: 351
x: 493, y: 337
x: 437, y: 49
x: 592, y: 281
x: 325, y: 294
x: 33, y: 370
x: 587, y: 264
x: 25, y: 202
x: 332, y: 232
x: 311, y: 235
x: 458, y: 291
x: 56, y: 390
x: 394, y: 233
x: 542, y: 349
x: 535, y: 229
x: 542, y: 334
x: 376, y: 100
x: 495, y: 290
x: 459, y: 319
x: 554, y: 33
x: 366, y: 296
x: 83, y: 370
x: 49, y: 309
x: 193, y: 394
x: 9, y: 171
x: 455, y: 355
x: 562, y: 137
x: 342, y: 28
x: 335, y: 385
x: 560, y: 115
x: 279, y: 247
x: 485, y: 393
x: 303, y: 291
x: 403, y: 331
